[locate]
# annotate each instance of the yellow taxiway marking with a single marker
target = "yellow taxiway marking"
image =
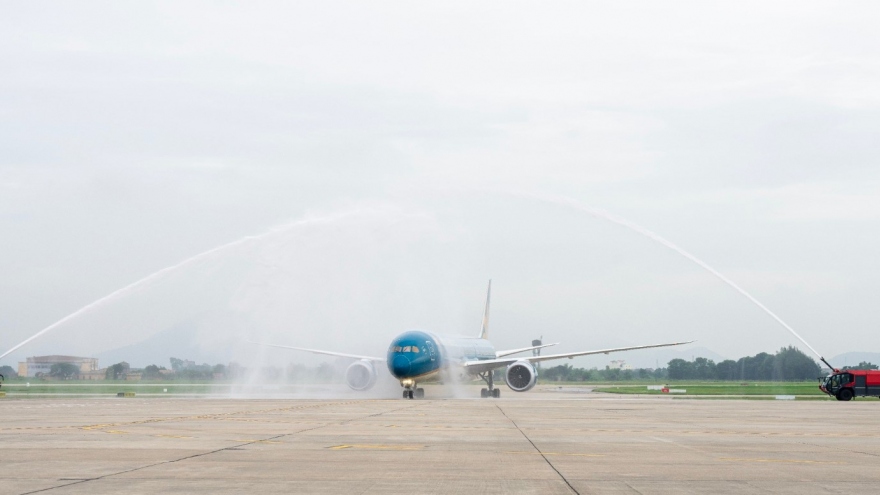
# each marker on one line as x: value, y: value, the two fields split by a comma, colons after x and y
x: 171, y: 436
x: 378, y: 447
x: 116, y: 432
x: 558, y: 453
x: 794, y: 461
x: 95, y: 427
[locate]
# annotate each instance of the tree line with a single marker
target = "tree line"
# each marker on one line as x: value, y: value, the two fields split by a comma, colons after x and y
x: 568, y: 373
x: 788, y: 363
x: 186, y: 370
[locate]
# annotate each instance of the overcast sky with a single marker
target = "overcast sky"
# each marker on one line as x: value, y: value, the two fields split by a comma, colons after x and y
x: 137, y: 135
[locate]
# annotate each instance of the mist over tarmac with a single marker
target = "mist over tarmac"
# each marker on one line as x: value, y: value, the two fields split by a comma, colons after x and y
x: 348, y: 183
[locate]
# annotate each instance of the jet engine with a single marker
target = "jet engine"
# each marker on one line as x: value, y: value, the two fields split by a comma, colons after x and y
x: 360, y: 375
x: 521, y: 376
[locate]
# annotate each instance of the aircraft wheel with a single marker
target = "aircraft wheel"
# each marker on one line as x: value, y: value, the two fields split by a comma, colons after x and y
x: 845, y: 394
x: 496, y: 393
x: 420, y: 393
x: 484, y: 393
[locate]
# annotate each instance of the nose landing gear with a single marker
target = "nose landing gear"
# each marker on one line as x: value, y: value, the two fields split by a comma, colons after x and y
x: 418, y: 393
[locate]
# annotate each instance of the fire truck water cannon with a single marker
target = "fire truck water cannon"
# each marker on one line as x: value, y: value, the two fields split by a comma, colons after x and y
x: 846, y: 384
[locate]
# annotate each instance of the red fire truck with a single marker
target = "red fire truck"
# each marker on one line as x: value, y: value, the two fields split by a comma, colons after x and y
x: 847, y: 384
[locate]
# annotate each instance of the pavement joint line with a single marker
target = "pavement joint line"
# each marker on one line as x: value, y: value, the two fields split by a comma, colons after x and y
x: 842, y: 450
x: 631, y: 488
x: 557, y: 453
x: 537, y: 449
x: 159, y: 464
x: 256, y: 440
x: 217, y: 416
x: 377, y: 447
x: 701, y: 452
x: 792, y: 461
x: 232, y: 447
x: 748, y: 459
x: 665, y: 432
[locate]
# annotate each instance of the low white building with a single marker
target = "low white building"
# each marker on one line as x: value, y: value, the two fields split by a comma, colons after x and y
x: 43, y: 364
x: 619, y: 364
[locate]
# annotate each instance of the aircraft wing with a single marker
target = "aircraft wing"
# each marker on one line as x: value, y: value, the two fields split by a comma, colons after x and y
x: 491, y: 364
x: 317, y: 351
x: 499, y: 354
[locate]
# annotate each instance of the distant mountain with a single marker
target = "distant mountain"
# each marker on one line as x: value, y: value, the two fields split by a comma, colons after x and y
x: 179, y: 342
x: 854, y: 358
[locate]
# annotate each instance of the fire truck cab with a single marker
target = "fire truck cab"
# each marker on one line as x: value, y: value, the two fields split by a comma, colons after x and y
x: 846, y: 384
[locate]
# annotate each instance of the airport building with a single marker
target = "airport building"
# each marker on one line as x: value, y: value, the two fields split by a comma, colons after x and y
x: 43, y: 364
x: 619, y: 364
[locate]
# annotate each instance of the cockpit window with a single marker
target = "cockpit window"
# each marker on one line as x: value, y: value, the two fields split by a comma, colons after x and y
x: 409, y: 348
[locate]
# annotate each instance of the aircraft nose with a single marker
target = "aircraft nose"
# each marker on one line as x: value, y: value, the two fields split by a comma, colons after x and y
x: 400, y: 366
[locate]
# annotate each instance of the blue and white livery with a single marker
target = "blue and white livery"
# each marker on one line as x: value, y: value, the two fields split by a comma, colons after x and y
x: 417, y: 356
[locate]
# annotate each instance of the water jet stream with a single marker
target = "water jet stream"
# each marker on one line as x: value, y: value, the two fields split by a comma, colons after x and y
x: 556, y: 200
x: 165, y: 271
x: 595, y: 212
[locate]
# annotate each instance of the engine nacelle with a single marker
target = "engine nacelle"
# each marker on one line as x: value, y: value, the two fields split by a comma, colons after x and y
x: 360, y: 375
x: 521, y: 376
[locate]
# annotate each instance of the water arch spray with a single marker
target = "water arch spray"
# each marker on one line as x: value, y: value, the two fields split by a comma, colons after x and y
x: 601, y: 214
x: 193, y: 260
x: 550, y: 199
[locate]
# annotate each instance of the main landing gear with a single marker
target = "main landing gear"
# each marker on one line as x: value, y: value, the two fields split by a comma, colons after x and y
x: 491, y: 391
x: 418, y: 393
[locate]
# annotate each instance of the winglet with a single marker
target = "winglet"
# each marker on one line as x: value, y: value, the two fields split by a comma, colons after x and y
x: 484, y: 329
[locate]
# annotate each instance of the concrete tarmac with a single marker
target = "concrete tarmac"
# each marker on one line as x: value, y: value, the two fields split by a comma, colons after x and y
x: 538, y: 442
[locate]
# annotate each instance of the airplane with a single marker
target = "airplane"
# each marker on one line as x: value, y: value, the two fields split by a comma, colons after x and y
x: 418, y: 356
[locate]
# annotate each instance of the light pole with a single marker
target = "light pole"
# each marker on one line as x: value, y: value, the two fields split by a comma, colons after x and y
x: 537, y: 352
